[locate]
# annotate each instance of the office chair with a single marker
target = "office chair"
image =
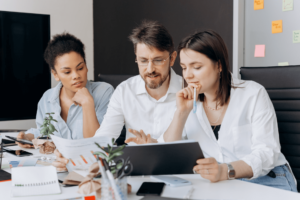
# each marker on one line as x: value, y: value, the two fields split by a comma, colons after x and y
x: 283, y: 87
x: 115, y: 80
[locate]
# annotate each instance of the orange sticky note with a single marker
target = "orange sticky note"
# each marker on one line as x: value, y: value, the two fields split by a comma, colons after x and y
x: 90, y: 198
x: 259, y: 50
x: 258, y: 4
x: 277, y: 26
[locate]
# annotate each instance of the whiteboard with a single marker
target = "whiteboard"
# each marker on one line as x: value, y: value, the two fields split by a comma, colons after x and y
x: 258, y: 30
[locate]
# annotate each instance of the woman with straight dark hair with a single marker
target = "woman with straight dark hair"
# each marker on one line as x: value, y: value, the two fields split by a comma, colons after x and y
x: 235, y: 122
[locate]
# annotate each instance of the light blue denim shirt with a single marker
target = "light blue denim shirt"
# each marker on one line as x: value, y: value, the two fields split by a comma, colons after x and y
x: 73, y: 128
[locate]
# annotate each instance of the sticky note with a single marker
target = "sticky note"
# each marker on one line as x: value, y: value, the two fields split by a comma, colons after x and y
x: 259, y: 50
x: 283, y: 63
x: 258, y: 4
x: 287, y: 5
x: 296, y: 36
x: 277, y: 26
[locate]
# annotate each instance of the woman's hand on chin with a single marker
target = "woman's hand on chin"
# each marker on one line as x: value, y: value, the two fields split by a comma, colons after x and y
x: 185, y: 97
x: 141, y: 137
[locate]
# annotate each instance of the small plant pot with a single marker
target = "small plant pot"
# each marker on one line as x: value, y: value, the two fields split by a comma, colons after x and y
x: 46, y: 146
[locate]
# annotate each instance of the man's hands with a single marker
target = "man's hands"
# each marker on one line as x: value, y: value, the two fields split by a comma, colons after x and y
x: 28, y: 136
x: 83, y: 97
x: 209, y: 169
x: 60, y: 162
x: 185, y: 97
x: 141, y: 137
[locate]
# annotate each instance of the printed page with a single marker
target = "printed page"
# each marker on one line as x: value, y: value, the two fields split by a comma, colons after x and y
x: 80, y: 152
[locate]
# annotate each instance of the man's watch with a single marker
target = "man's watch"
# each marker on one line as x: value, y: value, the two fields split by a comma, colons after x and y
x: 231, y: 172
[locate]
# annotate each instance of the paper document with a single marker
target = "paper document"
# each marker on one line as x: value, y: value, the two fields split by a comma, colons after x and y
x: 80, y: 152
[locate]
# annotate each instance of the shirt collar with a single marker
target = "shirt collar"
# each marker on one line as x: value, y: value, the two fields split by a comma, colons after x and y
x: 56, y: 91
x: 174, y: 86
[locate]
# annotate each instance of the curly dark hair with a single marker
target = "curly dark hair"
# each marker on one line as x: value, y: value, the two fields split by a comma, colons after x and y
x: 152, y: 34
x: 60, y: 45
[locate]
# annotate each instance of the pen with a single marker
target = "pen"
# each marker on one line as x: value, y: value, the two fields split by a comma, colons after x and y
x: 194, y: 103
x: 189, y: 193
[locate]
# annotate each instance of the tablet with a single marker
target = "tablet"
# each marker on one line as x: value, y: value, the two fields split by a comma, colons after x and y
x: 163, y: 158
x: 20, y: 140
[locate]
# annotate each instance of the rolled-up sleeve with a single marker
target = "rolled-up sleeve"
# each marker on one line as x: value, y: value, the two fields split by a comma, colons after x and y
x: 265, y: 147
x: 113, y: 121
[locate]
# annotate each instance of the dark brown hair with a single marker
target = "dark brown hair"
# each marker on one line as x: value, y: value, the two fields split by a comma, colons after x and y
x: 212, y: 45
x: 60, y: 45
x: 152, y: 34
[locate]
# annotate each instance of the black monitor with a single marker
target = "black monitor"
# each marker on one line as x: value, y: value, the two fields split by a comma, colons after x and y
x: 24, y: 75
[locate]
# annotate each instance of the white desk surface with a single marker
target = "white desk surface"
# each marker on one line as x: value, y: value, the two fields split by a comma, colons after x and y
x: 233, y: 189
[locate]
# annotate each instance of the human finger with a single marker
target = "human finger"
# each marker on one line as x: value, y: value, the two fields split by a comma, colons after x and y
x: 57, y: 153
x: 190, y: 92
x: 61, y: 169
x: 206, y: 160
x: 24, y: 145
x: 149, y: 139
x: 134, y: 132
x: 185, y: 93
x: 207, y: 166
x: 131, y: 139
x: 144, y: 137
x: 62, y: 160
x: 59, y: 164
x: 21, y: 135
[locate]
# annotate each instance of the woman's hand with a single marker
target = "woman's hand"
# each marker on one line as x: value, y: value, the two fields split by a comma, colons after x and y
x: 209, y: 169
x: 28, y: 136
x: 60, y: 162
x: 141, y: 137
x: 83, y: 97
x: 185, y: 97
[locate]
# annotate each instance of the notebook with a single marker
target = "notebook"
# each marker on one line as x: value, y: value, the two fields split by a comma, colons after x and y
x: 34, y: 181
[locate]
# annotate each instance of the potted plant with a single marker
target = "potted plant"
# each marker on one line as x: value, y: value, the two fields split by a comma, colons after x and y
x: 45, y: 145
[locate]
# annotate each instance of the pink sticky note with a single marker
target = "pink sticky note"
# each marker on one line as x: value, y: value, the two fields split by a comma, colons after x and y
x: 260, y: 50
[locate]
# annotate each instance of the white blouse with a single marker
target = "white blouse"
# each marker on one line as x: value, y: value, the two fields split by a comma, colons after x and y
x: 248, y: 132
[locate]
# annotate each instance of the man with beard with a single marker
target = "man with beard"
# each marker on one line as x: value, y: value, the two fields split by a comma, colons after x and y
x: 145, y: 102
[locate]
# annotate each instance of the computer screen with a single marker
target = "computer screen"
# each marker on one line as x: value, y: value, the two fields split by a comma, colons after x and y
x: 24, y: 75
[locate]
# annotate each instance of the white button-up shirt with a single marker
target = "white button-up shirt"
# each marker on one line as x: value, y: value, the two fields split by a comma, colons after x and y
x: 248, y: 132
x: 131, y: 105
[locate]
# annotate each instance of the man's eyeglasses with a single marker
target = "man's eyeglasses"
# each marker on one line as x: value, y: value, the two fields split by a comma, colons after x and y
x: 156, y: 62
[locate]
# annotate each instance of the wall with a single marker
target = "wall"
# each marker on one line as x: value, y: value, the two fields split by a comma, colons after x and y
x: 114, y: 21
x: 279, y: 46
x: 74, y: 16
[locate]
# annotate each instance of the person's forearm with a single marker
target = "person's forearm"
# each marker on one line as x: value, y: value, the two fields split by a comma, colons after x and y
x: 174, y: 132
x: 242, y: 170
x: 90, y: 121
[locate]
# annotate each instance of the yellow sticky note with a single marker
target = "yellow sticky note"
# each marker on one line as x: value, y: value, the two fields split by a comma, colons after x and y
x: 259, y: 50
x: 287, y: 5
x: 296, y: 36
x: 283, y: 63
x: 258, y: 4
x: 277, y: 26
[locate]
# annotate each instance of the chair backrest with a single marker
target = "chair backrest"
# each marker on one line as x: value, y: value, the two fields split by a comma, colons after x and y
x: 283, y: 87
x: 114, y: 80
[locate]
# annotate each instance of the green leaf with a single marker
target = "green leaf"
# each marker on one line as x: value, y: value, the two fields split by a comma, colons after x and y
x: 119, y: 148
x: 119, y: 165
x: 117, y: 154
x: 47, y: 113
x: 109, y: 148
x: 51, y: 128
x: 54, y: 120
x: 50, y: 117
x: 113, y: 141
x: 102, y: 155
x: 113, y: 171
x: 53, y: 113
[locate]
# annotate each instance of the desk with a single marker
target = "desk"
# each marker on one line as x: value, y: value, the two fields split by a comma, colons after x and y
x: 233, y: 189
